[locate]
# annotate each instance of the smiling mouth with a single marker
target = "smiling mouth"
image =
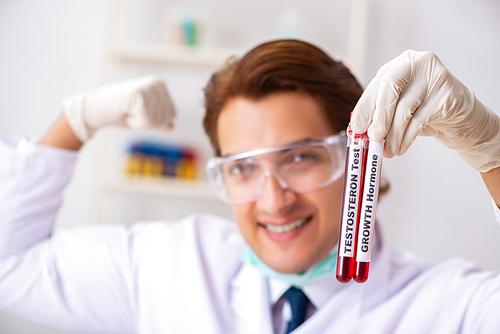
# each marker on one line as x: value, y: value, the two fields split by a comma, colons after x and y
x: 286, y: 227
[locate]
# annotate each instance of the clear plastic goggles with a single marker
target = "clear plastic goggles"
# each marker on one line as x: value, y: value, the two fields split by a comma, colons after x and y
x: 301, y: 167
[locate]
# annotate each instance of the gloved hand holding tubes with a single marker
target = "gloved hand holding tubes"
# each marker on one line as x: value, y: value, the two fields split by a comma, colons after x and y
x: 141, y: 104
x: 414, y: 94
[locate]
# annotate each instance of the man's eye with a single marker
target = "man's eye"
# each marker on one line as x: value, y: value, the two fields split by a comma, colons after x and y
x: 303, y: 157
x: 241, y: 169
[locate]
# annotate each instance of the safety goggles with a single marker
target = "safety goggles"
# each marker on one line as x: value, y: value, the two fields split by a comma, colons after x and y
x: 300, y: 167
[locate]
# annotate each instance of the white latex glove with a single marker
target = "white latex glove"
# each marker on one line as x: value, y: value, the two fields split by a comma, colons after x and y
x: 141, y: 104
x: 414, y: 94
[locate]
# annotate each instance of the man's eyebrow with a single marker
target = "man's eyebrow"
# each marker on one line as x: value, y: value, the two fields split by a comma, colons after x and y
x: 297, y: 142
x: 303, y: 141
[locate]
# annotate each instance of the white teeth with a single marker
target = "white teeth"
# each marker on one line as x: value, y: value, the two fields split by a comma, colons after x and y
x: 285, y: 228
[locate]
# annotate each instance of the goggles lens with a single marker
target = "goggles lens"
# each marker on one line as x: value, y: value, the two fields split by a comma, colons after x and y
x: 301, y: 167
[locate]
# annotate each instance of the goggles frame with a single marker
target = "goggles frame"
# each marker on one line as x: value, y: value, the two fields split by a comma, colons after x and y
x: 334, y: 144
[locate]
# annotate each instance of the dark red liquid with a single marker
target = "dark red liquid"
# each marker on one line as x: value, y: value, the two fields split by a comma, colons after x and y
x: 362, y: 270
x: 345, y: 268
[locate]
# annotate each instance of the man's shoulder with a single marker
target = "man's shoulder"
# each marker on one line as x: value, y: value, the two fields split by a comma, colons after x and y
x: 441, y: 278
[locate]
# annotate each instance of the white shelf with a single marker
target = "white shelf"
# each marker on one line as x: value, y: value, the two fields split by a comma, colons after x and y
x: 190, y: 189
x: 157, y: 54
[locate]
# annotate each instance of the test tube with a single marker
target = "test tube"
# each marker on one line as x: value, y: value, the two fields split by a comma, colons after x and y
x: 354, y: 172
x: 373, y: 167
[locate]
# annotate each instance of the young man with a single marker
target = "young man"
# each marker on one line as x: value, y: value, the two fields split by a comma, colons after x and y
x: 274, y: 118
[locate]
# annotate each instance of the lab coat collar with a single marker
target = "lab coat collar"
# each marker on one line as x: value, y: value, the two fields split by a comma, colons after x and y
x: 320, y: 291
x: 331, y: 315
x: 253, y: 295
x: 250, y: 301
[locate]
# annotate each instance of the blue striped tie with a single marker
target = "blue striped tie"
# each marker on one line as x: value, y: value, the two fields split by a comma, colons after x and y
x: 298, y: 302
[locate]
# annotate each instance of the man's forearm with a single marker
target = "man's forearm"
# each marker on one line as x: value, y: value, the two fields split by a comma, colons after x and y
x: 62, y: 136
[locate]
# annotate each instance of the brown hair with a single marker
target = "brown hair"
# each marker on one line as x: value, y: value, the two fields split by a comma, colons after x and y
x: 283, y: 66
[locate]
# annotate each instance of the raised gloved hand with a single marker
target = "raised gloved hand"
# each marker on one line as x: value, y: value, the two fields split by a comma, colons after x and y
x: 414, y: 94
x: 142, y: 103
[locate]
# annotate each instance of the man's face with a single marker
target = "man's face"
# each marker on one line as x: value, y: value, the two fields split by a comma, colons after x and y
x: 279, y: 119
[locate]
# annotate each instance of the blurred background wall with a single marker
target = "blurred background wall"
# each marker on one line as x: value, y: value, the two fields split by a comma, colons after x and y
x: 437, y: 206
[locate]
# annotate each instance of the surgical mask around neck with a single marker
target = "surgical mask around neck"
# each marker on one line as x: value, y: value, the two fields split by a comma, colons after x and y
x: 325, y: 268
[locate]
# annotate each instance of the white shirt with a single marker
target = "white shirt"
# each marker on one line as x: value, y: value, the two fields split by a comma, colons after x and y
x: 187, y: 276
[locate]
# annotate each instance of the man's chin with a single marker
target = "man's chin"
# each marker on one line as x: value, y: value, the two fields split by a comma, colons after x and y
x: 288, y: 266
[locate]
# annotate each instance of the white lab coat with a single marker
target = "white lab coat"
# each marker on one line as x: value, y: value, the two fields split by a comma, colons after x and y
x: 187, y: 277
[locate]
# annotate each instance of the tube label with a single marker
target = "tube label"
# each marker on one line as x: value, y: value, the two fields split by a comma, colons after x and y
x: 369, y: 200
x: 353, y: 184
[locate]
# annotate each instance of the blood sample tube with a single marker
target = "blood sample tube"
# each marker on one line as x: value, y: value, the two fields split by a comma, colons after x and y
x: 346, y: 264
x: 373, y: 167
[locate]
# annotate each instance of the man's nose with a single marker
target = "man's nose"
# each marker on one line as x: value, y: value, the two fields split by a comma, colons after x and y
x: 276, y: 196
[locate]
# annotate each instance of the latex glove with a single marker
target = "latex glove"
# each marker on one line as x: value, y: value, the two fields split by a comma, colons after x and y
x: 414, y: 94
x: 142, y: 103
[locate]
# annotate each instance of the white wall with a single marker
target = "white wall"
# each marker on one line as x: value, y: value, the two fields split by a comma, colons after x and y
x: 437, y: 207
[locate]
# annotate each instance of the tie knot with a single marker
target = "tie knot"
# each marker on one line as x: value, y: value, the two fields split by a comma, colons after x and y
x: 298, y: 303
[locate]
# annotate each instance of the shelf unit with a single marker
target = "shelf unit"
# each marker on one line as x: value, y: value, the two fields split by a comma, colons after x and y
x: 119, y: 53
